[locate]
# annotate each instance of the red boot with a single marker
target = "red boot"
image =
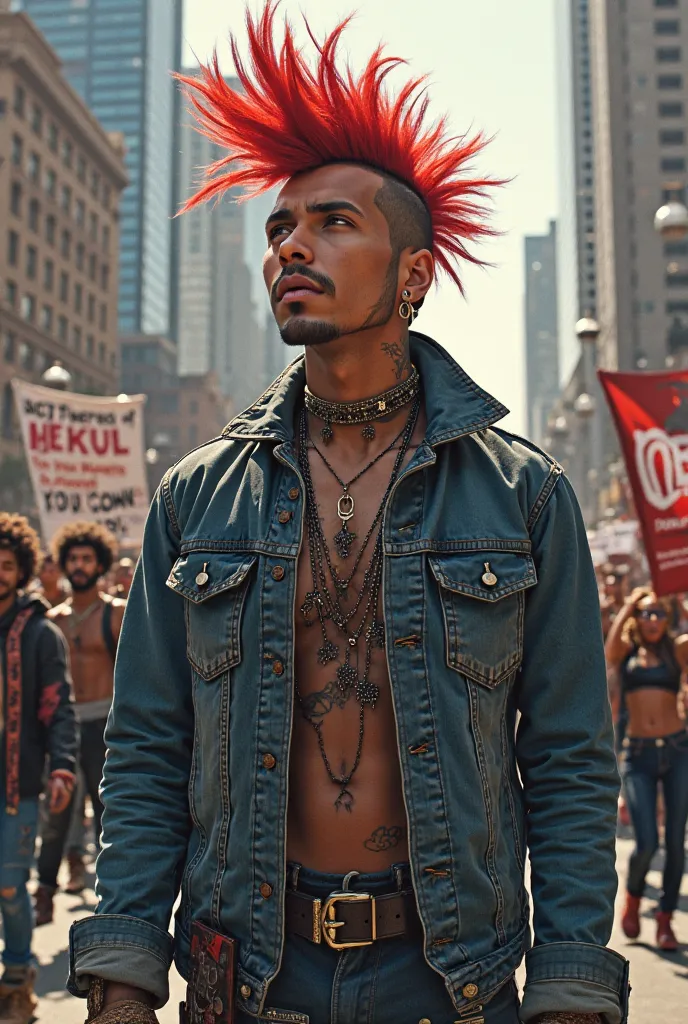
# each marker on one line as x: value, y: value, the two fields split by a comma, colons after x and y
x: 665, y: 934
x: 630, y: 919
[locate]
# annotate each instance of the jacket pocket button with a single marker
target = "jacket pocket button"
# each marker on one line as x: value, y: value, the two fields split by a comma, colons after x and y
x: 284, y: 517
x: 269, y: 761
x: 245, y: 991
x: 470, y: 991
x: 278, y: 668
x: 294, y: 493
x: 278, y: 573
x: 266, y: 890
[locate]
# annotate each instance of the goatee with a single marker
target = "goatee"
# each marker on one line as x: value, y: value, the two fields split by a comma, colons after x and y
x: 307, y: 333
x: 83, y: 582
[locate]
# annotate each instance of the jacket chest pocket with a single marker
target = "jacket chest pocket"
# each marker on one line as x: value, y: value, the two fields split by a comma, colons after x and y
x: 214, y: 588
x: 483, y: 601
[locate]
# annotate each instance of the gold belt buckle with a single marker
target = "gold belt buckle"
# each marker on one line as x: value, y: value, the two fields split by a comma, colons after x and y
x: 330, y: 924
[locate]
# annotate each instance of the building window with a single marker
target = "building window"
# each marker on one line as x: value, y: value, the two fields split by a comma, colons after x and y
x: 107, y: 195
x: 37, y: 119
x: 676, y: 248
x: 52, y: 137
x: 667, y: 27
x: 9, y: 347
x: 67, y: 153
x: 78, y: 297
x: 13, y: 248
x: 102, y: 323
x: 81, y: 168
x: 47, y: 318
x: 101, y: 352
x: 90, y: 346
x: 91, y: 308
x: 80, y: 256
x: 76, y: 339
x: 678, y: 280
x: 671, y: 109
x: 50, y: 183
x: 34, y: 168
x: 672, y: 137
x: 17, y: 150
x: 31, y: 262
x: 106, y: 238
x: 66, y: 245
x: 48, y: 275
x: 66, y: 199
x: 95, y: 183
x: 34, y: 215
x: 668, y: 54
x: 28, y: 307
x: 672, y: 164
x: 19, y: 100
x: 25, y: 355
x: 62, y: 328
x: 50, y: 226
x: 93, y: 231
x: 105, y: 277
x: 666, y: 3
x: 669, y: 81
x: 16, y: 198
x: 11, y: 294
x: 80, y: 212
x: 676, y: 307
x: 64, y: 286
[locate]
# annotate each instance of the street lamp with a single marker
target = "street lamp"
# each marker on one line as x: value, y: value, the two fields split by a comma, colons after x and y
x: 584, y: 406
x: 587, y: 329
x: 671, y: 220
x: 57, y: 377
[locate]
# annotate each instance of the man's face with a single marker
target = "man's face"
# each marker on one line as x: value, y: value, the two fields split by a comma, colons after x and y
x: 329, y: 268
x: 82, y: 568
x: 124, y: 575
x: 9, y: 574
x: 50, y: 574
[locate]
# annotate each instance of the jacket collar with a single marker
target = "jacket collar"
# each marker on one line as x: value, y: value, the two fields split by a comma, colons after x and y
x: 454, y: 404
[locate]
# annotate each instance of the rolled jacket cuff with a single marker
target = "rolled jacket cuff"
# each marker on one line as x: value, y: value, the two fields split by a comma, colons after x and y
x: 119, y: 948
x: 577, y: 977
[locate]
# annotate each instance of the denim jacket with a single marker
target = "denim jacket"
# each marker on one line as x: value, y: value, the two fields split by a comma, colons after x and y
x: 503, y: 723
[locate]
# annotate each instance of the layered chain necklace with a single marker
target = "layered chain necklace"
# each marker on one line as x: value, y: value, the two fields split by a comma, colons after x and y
x: 365, y: 410
x: 359, y: 625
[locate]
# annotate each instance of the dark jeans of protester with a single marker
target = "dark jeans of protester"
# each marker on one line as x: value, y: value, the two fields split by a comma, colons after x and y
x: 646, y: 763
x: 17, y: 840
x: 385, y: 983
x: 91, y: 760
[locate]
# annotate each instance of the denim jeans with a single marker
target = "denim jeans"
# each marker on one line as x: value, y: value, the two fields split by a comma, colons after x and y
x: 91, y: 760
x: 646, y: 763
x: 17, y: 840
x: 385, y: 983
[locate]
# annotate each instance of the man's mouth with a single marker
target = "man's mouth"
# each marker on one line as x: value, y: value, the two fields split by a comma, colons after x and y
x: 296, y: 288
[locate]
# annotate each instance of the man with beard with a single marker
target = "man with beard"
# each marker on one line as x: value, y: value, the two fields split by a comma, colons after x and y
x: 36, y: 720
x: 361, y: 666
x: 91, y: 620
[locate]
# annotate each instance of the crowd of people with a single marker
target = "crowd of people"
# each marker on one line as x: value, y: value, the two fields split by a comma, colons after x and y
x: 646, y: 647
x: 60, y: 616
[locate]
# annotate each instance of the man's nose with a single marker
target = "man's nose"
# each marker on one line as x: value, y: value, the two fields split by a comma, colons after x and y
x: 295, y: 249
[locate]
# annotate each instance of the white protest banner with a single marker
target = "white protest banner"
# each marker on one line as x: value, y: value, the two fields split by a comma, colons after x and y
x: 86, y: 458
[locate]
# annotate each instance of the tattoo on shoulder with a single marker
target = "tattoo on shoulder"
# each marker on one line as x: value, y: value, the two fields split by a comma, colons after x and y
x: 386, y: 837
x: 400, y: 356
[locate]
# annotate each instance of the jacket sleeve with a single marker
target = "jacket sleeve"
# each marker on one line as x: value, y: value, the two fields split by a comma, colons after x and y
x: 55, y: 700
x: 568, y: 769
x: 146, y: 822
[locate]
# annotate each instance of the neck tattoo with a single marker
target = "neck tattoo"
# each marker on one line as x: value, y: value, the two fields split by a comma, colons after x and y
x: 323, y: 604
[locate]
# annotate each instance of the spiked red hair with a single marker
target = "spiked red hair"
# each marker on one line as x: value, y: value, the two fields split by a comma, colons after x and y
x: 291, y: 118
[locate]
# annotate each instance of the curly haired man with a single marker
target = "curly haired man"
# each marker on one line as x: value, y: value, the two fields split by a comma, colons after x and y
x: 36, y: 719
x: 91, y: 621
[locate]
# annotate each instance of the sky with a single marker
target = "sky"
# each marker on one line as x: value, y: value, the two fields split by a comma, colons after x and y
x: 491, y: 66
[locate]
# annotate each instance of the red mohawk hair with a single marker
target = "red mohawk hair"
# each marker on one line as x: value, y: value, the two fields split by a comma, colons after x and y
x: 291, y: 118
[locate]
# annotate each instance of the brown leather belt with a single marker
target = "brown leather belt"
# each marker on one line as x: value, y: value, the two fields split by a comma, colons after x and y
x: 348, y: 919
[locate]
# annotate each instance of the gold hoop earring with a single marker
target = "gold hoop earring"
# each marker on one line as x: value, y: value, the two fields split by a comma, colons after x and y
x: 406, y: 310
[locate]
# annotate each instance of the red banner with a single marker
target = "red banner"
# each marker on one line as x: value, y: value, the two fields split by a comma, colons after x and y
x: 651, y: 415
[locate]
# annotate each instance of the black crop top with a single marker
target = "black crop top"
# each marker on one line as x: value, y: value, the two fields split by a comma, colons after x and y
x: 658, y: 677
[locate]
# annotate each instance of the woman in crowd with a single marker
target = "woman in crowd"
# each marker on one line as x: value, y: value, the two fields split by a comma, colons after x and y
x: 651, y: 682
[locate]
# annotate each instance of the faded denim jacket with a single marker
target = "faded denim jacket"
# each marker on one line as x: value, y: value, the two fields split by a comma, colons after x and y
x: 503, y: 723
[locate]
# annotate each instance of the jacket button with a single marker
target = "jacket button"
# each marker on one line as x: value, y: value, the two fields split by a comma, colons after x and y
x: 278, y: 573
x: 294, y: 493
x: 284, y: 516
x: 277, y: 668
x: 265, y: 890
x: 269, y: 761
x: 245, y: 991
x: 470, y: 991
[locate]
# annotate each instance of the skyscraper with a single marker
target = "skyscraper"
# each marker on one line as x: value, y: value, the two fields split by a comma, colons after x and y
x: 640, y: 91
x: 542, y: 349
x: 118, y: 55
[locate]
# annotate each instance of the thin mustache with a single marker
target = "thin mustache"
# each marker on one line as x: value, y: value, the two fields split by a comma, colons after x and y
x: 325, y: 283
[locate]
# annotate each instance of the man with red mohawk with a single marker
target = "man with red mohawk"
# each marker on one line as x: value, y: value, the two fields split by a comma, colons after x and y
x: 361, y: 668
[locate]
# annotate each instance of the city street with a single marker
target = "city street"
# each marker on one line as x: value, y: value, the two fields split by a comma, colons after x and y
x: 660, y: 980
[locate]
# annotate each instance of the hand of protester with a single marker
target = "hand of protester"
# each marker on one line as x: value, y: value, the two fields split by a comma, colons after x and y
x: 61, y: 788
x: 636, y: 595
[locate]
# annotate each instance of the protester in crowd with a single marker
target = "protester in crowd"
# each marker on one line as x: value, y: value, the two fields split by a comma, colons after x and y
x: 123, y: 575
x: 651, y: 678
x: 260, y: 626
x: 91, y: 620
x: 52, y: 581
x: 36, y: 721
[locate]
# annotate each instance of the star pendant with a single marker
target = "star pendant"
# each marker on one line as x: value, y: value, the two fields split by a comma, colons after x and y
x: 343, y: 541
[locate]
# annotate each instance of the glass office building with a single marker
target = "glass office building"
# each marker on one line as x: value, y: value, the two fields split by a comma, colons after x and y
x: 118, y: 55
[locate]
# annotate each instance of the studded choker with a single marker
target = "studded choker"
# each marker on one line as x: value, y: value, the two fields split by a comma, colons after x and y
x: 364, y: 411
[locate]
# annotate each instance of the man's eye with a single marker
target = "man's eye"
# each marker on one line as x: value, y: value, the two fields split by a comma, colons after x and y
x: 274, y: 232
x: 336, y: 218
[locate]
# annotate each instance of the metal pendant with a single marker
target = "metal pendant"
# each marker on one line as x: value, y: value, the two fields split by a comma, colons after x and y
x: 343, y: 541
x: 327, y: 433
x: 368, y: 432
